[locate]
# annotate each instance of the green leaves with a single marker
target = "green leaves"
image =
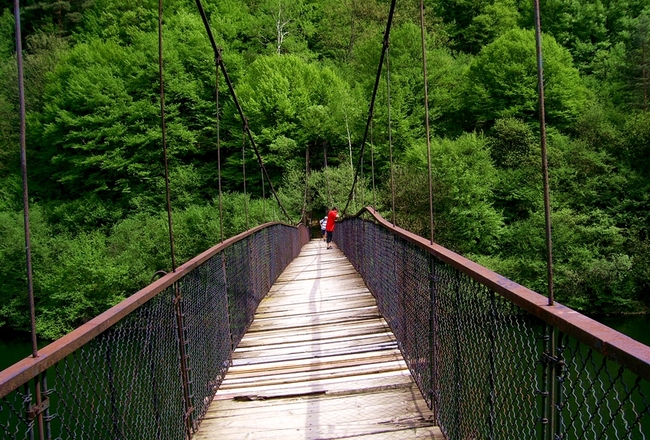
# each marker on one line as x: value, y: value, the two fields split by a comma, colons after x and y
x: 502, y: 81
x: 463, y: 180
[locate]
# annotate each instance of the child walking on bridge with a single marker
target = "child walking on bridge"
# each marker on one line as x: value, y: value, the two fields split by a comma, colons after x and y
x: 329, y: 227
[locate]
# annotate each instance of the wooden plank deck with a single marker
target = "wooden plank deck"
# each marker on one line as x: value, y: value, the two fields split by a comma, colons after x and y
x: 318, y: 362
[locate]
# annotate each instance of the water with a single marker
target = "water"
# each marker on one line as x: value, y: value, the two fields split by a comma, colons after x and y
x: 13, y: 349
x: 636, y: 327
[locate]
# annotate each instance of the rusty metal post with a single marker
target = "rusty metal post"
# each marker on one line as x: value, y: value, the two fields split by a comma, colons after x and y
x: 433, y: 298
x: 182, y: 342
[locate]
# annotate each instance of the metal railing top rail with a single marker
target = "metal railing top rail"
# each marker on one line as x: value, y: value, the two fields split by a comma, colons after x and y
x: 605, y: 340
x: 22, y: 371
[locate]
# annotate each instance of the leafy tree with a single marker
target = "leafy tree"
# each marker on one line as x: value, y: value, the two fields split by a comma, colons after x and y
x: 345, y: 24
x: 581, y: 26
x: 7, y: 32
x: 515, y: 152
x: 463, y: 178
x: 53, y: 16
x: 502, y: 81
x: 493, y: 20
x: 638, y: 72
x: 292, y: 103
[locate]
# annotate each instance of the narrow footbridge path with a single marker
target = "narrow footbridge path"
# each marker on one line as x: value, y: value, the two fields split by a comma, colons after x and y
x: 318, y: 362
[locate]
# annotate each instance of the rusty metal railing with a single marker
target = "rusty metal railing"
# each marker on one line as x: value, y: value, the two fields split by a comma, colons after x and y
x: 119, y: 375
x: 491, y: 357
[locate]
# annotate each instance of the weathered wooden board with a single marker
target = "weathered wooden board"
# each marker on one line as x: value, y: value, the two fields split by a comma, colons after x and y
x: 318, y: 362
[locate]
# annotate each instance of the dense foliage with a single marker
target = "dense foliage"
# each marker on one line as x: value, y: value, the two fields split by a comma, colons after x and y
x: 303, y: 71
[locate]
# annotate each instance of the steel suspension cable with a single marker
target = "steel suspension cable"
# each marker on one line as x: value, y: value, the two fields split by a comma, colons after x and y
x: 263, y: 196
x: 23, y: 167
x: 243, y: 163
x: 372, y: 164
x: 327, y: 179
x: 304, y: 202
x: 219, y: 60
x: 40, y: 383
x: 363, y: 203
x: 164, y: 135
x: 374, y: 96
x: 216, y: 75
x: 178, y: 299
x: 542, y: 132
x: 390, y: 138
x: 426, y: 115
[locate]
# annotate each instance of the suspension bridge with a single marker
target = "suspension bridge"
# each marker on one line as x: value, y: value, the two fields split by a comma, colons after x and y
x: 388, y: 335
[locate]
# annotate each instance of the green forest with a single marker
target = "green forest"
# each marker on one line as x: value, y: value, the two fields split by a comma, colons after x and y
x: 304, y: 72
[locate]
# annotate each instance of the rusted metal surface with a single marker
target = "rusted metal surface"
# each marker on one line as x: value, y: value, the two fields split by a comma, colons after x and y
x: 28, y: 368
x: 609, y: 342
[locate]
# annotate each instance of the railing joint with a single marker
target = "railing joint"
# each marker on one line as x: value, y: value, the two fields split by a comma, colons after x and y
x: 548, y: 359
x: 35, y: 410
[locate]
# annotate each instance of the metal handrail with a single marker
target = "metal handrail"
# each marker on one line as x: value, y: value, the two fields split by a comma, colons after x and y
x: 610, y: 343
x: 25, y: 370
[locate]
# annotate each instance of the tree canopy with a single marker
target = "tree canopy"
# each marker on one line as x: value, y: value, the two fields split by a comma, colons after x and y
x: 304, y: 72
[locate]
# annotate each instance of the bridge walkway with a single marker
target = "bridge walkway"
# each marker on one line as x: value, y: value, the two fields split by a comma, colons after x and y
x: 318, y: 362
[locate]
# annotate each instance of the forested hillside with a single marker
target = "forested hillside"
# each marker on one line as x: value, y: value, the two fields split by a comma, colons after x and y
x: 304, y: 71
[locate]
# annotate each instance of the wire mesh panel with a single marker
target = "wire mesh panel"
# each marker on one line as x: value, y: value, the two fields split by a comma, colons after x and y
x: 137, y: 360
x: 482, y: 355
x: 240, y: 303
x: 205, y: 306
x: 122, y: 376
x: 486, y: 360
x: 396, y: 272
x: 598, y: 398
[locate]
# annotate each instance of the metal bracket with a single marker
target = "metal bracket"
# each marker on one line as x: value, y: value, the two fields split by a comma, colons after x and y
x: 35, y: 410
x: 555, y: 361
x: 548, y: 359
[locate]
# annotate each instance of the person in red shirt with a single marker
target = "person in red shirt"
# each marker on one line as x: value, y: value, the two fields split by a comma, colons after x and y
x: 329, y: 228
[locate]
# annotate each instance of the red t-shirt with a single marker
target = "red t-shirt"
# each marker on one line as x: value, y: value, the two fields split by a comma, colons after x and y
x: 331, y: 216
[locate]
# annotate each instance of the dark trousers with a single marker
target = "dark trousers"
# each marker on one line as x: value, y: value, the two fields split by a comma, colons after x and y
x: 329, y: 236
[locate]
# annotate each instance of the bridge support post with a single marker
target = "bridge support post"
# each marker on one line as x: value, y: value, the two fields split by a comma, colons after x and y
x: 182, y: 342
x: 552, y: 366
x: 433, y: 371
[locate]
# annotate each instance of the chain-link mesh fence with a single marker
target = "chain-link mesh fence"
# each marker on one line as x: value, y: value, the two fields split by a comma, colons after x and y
x: 127, y: 381
x: 487, y: 366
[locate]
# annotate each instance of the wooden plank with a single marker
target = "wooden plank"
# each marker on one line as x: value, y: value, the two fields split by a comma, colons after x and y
x: 285, y: 377
x: 331, y: 402
x: 258, y: 369
x: 334, y: 330
x: 318, y: 362
x: 318, y: 344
